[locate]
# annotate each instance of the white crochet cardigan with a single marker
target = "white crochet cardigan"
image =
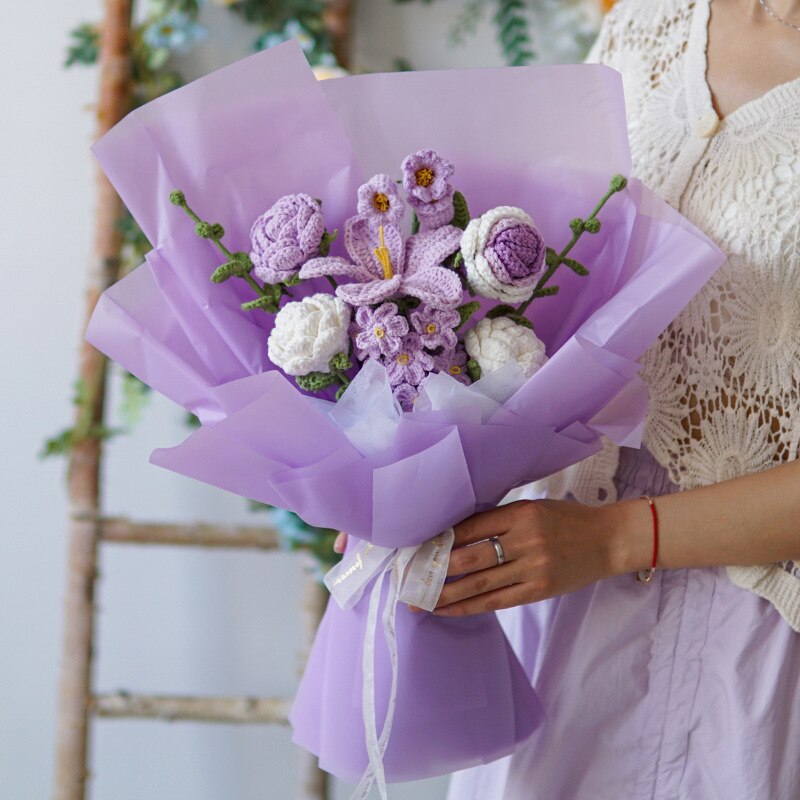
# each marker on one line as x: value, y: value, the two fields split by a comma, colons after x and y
x: 724, y: 378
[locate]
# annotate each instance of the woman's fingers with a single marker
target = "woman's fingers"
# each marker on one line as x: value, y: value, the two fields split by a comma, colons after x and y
x: 483, y: 525
x: 505, y: 597
x: 475, y: 557
x: 340, y: 542
x: 478, y: 583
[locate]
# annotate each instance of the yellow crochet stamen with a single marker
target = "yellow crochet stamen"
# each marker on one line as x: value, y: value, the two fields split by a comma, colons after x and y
x: 402, y: 359
x: 454, y: 370
x: 424, y: 176
x: 379, y: 333
x: 431, y: 328
x: 381, y: 202
x: 382, y: 254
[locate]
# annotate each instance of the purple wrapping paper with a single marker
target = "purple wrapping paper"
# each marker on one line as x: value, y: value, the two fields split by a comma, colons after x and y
x: 546, y: 139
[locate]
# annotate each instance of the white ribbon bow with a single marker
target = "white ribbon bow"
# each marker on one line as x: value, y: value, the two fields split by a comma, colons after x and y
x: 417, y: 575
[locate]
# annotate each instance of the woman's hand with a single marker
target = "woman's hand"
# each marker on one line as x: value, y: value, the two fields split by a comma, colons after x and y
x: 551, y: 547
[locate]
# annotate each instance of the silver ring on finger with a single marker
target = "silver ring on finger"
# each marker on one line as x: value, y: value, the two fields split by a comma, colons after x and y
x: 498, y: 548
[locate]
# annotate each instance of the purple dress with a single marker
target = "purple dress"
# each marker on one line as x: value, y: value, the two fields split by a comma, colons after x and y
x: 685, y: 688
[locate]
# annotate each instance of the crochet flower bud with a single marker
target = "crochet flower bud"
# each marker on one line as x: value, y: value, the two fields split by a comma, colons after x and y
x: 496, y: 342
x: 504, y: 254
x: 309, y: 333
x: 426, y: 179
x: 285, y: 237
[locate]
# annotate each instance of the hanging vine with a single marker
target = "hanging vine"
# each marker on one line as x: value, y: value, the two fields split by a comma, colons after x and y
x: 571, y: 23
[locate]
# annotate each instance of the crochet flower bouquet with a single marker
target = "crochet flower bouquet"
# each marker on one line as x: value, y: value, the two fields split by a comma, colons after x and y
x: 387, y: 355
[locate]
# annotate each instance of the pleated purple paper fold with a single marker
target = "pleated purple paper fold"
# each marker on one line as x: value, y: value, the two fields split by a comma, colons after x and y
x: 546, y: 139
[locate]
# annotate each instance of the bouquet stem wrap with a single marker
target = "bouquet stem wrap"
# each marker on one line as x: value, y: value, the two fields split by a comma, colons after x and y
x: 416, y: 576
x: 545, y: 139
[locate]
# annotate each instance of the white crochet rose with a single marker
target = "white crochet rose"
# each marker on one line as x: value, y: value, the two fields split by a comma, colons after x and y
x: 495, y: 342
x: 505, y: 273
x: 309, y: 333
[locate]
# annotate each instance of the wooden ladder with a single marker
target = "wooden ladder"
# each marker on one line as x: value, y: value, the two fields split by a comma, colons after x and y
x: 88, y: 528
x: 79, y: 703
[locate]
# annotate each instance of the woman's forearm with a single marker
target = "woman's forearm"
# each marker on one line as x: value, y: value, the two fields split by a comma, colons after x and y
x: 750, y: 520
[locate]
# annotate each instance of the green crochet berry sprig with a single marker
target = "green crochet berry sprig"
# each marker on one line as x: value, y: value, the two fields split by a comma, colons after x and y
x: 238, y: 264
x: 554, y: 260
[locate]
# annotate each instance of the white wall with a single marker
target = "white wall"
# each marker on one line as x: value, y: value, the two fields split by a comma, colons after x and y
x: 169, y: 620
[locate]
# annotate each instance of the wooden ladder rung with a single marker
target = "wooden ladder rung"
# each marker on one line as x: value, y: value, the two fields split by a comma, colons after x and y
x: 239, y: 710
x: 113, y: 529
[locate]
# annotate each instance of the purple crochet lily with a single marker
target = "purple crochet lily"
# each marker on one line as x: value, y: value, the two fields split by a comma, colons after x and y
x: 384, y: 265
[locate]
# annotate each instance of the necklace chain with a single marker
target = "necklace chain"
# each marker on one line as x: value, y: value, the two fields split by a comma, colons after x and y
x: 776, y: 17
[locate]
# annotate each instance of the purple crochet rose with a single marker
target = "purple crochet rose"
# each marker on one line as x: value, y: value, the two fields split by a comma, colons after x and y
x: 380, y: 331
x: 379, y: 200
x: 385, y: 265
x: 286, y: 236
x: 454, y: 363
x: 435, y: 327
x: 426, y: 181
x: 504, y: 254
x: 406, y: 395
x: 410, y: 364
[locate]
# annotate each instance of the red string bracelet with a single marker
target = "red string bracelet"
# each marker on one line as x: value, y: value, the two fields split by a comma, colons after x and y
x: 645, y: 575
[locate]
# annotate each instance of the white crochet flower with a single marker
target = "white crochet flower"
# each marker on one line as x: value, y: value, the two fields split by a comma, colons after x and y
x: 495, y: 342
x: 505, y: 273
x: 309, y: 333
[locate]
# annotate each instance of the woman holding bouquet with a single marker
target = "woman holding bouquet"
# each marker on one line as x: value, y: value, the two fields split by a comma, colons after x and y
x: 686, y: 682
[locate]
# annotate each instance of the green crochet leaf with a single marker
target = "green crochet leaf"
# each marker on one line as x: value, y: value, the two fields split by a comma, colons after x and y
x: 500, y: 311
x: 474, y: 370
x: 575, y: 266
x: 466, y: 311
x: 460, y: 211
x: 315, y: 381
x: 519, y: 319
x: 269, y: 302
x: 547, y: 291
x: 327, y: 240
x: 341, y: 362
x: 225, y: 271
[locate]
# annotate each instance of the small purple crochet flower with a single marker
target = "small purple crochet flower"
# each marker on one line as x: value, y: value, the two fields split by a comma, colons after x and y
x: 406, y: 395
x: 454, y: 363
x: 435, y: 327
x: 379, y: 332
x: 385, y: 265
x: 379, y: 200
x: 410, y: 364
x: 285, y: 236
x: 426, y: 181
